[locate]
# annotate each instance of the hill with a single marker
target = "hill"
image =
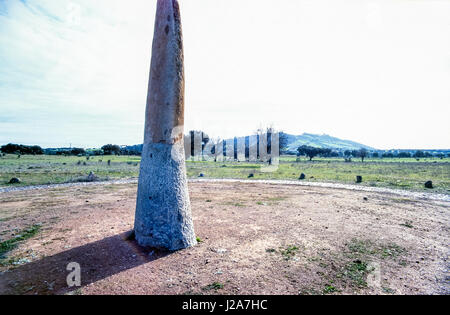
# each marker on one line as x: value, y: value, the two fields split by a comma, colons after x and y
x: 323, y: 141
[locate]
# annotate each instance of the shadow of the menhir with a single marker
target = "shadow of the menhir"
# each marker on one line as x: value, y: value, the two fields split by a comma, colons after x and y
x: 97, y: 260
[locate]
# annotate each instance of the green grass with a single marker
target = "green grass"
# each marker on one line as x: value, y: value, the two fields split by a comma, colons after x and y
x: 44, y: 169
x: 407, y: 173
x: 289, y: 252
x: 359, y: 247
x: 354, y: 267
x: 12, y: 243
x: 214, y: 286
x: 356, y: 271
x: 407, y: 224
x: 329, y: 289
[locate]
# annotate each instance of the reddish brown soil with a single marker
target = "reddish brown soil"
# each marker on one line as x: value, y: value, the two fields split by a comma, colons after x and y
x: 246, y: 232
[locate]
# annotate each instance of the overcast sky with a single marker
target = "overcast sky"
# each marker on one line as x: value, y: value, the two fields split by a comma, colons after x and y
x: 376, y: 72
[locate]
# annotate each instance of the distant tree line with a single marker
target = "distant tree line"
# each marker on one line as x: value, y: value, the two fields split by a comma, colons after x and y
x: 207, y: 144
x: 311, y: 152
x: 107, y: 149
x: 407, y: 154
x: 65, y: 151
x: 11, y: 148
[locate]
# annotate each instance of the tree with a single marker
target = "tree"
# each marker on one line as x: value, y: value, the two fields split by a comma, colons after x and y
x: 333, y: 154
x: 419, y: 154
x: 110, y: 149
x: 35, y: 149
x: 362, y: 154
x: 355, y: 153
x: 404, y: 155
x: 326, y: 152
x: 77, y: 151
x: 11, y: 148
x: 309, y: 151
x: 284, y: 141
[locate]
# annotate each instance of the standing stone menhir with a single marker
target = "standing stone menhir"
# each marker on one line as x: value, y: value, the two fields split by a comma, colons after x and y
x: 163, y: 213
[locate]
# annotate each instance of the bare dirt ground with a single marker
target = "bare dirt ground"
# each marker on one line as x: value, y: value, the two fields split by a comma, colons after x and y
x: 255, y: 239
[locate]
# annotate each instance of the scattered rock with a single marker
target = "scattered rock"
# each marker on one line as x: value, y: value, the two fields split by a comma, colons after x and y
x: 92, y: 177
x: 15, y: 180
x: 21, y: 261
x: 220, y: 250
x: 302, y: 176
x: 429, y: 184
x: 359, y: 179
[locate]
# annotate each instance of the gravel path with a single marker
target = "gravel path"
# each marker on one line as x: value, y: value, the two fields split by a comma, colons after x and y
x: 403, y: 193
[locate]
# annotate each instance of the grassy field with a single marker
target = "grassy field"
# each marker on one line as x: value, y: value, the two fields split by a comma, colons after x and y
x: 394, y: 173
x: 46, y: 169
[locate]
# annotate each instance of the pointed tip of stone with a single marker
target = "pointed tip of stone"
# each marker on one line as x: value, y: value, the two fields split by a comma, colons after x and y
x: 166, y: 85
x: 171, y: 5
x: 168, y: 22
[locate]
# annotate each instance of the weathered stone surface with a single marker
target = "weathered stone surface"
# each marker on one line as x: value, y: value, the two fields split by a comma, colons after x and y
x: 163, y: 215
x: 165, y: 100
